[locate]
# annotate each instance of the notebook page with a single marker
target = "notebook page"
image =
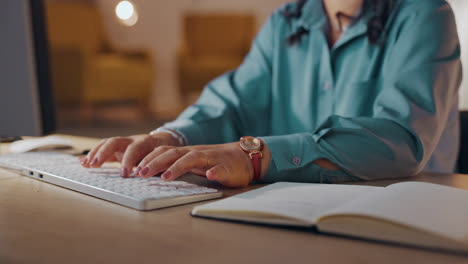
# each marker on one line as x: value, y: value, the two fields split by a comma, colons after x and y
x: 296, y: 200
x: 435, y: 208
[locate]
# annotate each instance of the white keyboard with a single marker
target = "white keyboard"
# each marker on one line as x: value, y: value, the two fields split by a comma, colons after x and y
x: 105, y: 183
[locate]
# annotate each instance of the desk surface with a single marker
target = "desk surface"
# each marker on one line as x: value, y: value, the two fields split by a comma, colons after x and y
x: 43, y: 223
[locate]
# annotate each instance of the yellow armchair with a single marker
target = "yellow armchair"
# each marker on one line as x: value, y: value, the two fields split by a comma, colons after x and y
x: 212, y: 44
x: 85, y: 70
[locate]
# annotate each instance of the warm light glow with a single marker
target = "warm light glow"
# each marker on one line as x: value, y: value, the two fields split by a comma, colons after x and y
x: 126, y: 12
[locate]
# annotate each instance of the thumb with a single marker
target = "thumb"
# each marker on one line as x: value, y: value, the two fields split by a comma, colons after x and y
x: 223, y: 175
x: 217, y: 173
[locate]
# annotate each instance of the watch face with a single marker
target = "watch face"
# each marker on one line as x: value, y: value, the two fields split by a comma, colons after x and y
x: 250, y: 143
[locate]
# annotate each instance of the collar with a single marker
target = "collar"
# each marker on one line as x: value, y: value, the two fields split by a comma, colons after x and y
x: 314, y: 17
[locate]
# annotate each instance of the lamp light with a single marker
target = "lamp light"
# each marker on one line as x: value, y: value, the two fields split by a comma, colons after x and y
x: 126, y: 13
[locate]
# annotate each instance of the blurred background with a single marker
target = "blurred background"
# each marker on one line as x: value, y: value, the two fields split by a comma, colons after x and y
x: 126, y: 67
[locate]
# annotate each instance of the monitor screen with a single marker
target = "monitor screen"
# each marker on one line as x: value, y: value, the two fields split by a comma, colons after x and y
x: 26, y: 101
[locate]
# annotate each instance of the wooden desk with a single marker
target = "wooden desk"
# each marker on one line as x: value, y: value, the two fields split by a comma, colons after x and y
x: 43, y: 223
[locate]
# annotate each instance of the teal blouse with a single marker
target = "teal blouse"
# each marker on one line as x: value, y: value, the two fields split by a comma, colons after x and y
x: 376, y: 111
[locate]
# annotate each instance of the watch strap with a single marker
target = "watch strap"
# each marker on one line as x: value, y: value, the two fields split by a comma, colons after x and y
x: 256, y: 164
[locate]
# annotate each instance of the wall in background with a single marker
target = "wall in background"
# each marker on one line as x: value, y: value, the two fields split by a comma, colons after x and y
x: 460, y: 8
x: 159, y: 31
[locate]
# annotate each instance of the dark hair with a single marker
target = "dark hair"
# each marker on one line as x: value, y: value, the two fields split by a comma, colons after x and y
x: 380, y: 10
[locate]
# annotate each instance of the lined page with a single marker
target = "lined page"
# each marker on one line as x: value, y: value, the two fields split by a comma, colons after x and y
x: 434, y: 208
x: 303, y: 201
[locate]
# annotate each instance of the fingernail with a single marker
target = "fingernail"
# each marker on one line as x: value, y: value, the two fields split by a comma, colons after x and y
x: 95, y: 160
x: 138, y: 169
x: 210, y: 175
x: 166, y: 175
x: 84, y: 161
x: 124, y: 172
x: 144, y: 171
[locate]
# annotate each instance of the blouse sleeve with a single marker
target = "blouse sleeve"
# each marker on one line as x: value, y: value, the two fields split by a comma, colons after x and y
x: 420, y: 87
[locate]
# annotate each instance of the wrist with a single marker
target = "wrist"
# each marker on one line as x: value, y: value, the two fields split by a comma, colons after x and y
x: 248, y: 163
x: 326, y: 164
x: 258, y: 154
x: 175, y: 135
x: 265, y: 160
x: 163, y: 138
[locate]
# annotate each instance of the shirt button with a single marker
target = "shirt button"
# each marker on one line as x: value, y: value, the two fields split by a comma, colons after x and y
x: 296, y: 161
x: 327, y: 86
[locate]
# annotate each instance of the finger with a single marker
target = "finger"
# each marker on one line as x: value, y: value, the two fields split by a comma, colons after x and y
x: 90, y: 157
x: 219, y: 173
x: 162, y: 162
x: 118, y: 156
x: 223, y: 175
x: 81, y: 159
x: 201, y: 172
x: 108, y: 149
x: 134, y: 153
x: 151, y: 156
x: 197, y: 160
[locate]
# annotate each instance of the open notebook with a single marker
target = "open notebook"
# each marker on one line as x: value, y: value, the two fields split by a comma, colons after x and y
x: 416, y: 213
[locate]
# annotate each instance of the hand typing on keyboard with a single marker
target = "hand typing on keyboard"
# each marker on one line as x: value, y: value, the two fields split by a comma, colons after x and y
x: 105, y: 182
x: 161, y: 153
x: 127, y: 150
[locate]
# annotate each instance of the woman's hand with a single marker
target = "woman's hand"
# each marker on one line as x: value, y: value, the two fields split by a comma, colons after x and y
x: 128, y: 150
x: 227, y: 164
